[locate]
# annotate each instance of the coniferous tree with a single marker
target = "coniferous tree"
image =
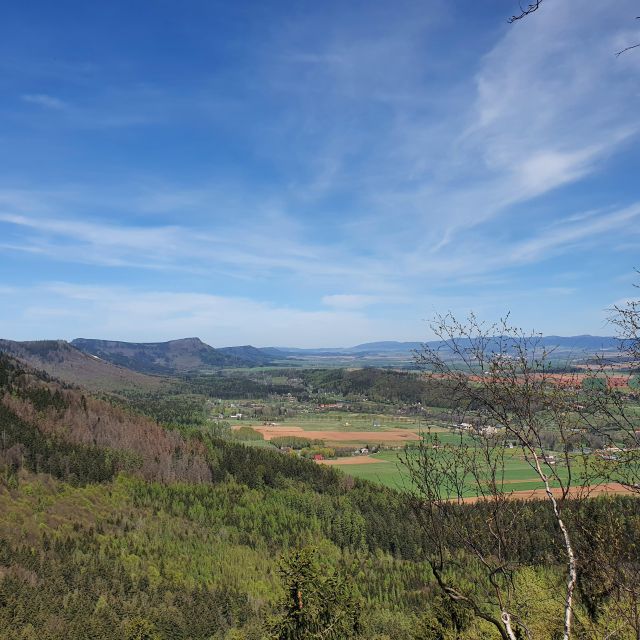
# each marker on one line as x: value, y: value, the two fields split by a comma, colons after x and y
x: 315, y: 605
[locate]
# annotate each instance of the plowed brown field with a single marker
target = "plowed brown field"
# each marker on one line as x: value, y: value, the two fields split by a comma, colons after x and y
x: 540, y: 494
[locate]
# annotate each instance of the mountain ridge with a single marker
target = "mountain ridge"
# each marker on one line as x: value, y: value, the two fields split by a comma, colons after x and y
x: 115, y: 364
x: 171, y: 357
x: 584, y: 342
x: 62, y: 360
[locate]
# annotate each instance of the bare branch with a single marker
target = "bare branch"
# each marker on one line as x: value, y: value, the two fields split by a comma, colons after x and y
x: 534, y: 6
x: 634, y: 46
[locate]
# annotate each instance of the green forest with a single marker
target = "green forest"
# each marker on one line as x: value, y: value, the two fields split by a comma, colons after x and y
x: 114, y: 526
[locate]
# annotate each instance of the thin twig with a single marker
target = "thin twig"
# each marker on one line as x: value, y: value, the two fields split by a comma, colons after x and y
x: 534, y: 6
x: 634, y: 46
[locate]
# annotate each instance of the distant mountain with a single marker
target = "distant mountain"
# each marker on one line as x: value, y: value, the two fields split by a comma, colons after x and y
x: 368, y: 348
x: 64, y: 361
x: 584, y: 344
x: 386, y: 346
x: 250, y: 355
x: 172, y: 357
x: 297, y: 351
x: 275, y: 352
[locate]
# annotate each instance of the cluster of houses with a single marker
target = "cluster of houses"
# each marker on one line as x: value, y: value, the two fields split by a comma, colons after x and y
x: 332, y: 405
x: 609, y: 453
x: 478, y: 429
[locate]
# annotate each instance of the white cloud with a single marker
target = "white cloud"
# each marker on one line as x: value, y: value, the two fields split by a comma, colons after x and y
x: 44, y: 100
x: 558, y: 238
x: 127, y: 314
x: 271, y: 245
x: 552, y: 100
x: 68, y: 310
x: 549, y: 168
x: 551, y: 105
x: 472, y: 258
x: 98, y: 234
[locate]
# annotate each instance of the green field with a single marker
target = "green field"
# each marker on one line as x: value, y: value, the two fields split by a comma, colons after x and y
x: 390, y: 472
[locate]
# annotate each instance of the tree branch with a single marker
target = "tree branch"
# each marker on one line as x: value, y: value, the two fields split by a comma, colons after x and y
x: 534, y: 6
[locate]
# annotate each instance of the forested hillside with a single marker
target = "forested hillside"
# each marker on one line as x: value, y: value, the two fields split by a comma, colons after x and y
x: 377, y: 384
x: 62, y: 360
x: 172, y: 357
x: 69, y: 415
x: 114, y: 527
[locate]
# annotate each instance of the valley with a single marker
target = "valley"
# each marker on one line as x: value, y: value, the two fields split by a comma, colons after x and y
x: 177, y: 482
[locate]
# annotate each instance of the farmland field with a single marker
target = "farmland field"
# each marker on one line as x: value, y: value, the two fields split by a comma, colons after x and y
x: 393, y: 433
x: 342, y: 428
x: 345, y: 421
x: 330, y: 437
x: 385, y: 468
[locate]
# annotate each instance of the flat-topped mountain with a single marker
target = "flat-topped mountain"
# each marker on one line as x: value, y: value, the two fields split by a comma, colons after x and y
x: 172, y: 357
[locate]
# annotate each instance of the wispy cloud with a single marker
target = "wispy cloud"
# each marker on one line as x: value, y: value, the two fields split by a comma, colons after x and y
x: 44, y: 100
x: 544, y: 118
x: 239, y: 249
x: 270, y: 248
x: 111, y: 107
x: 560, y: 238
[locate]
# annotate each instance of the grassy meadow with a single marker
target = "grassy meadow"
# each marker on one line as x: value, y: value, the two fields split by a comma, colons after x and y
x: 389, y: 471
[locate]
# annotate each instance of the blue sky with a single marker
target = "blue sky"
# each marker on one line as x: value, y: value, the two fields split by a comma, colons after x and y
x: 315, y: 174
